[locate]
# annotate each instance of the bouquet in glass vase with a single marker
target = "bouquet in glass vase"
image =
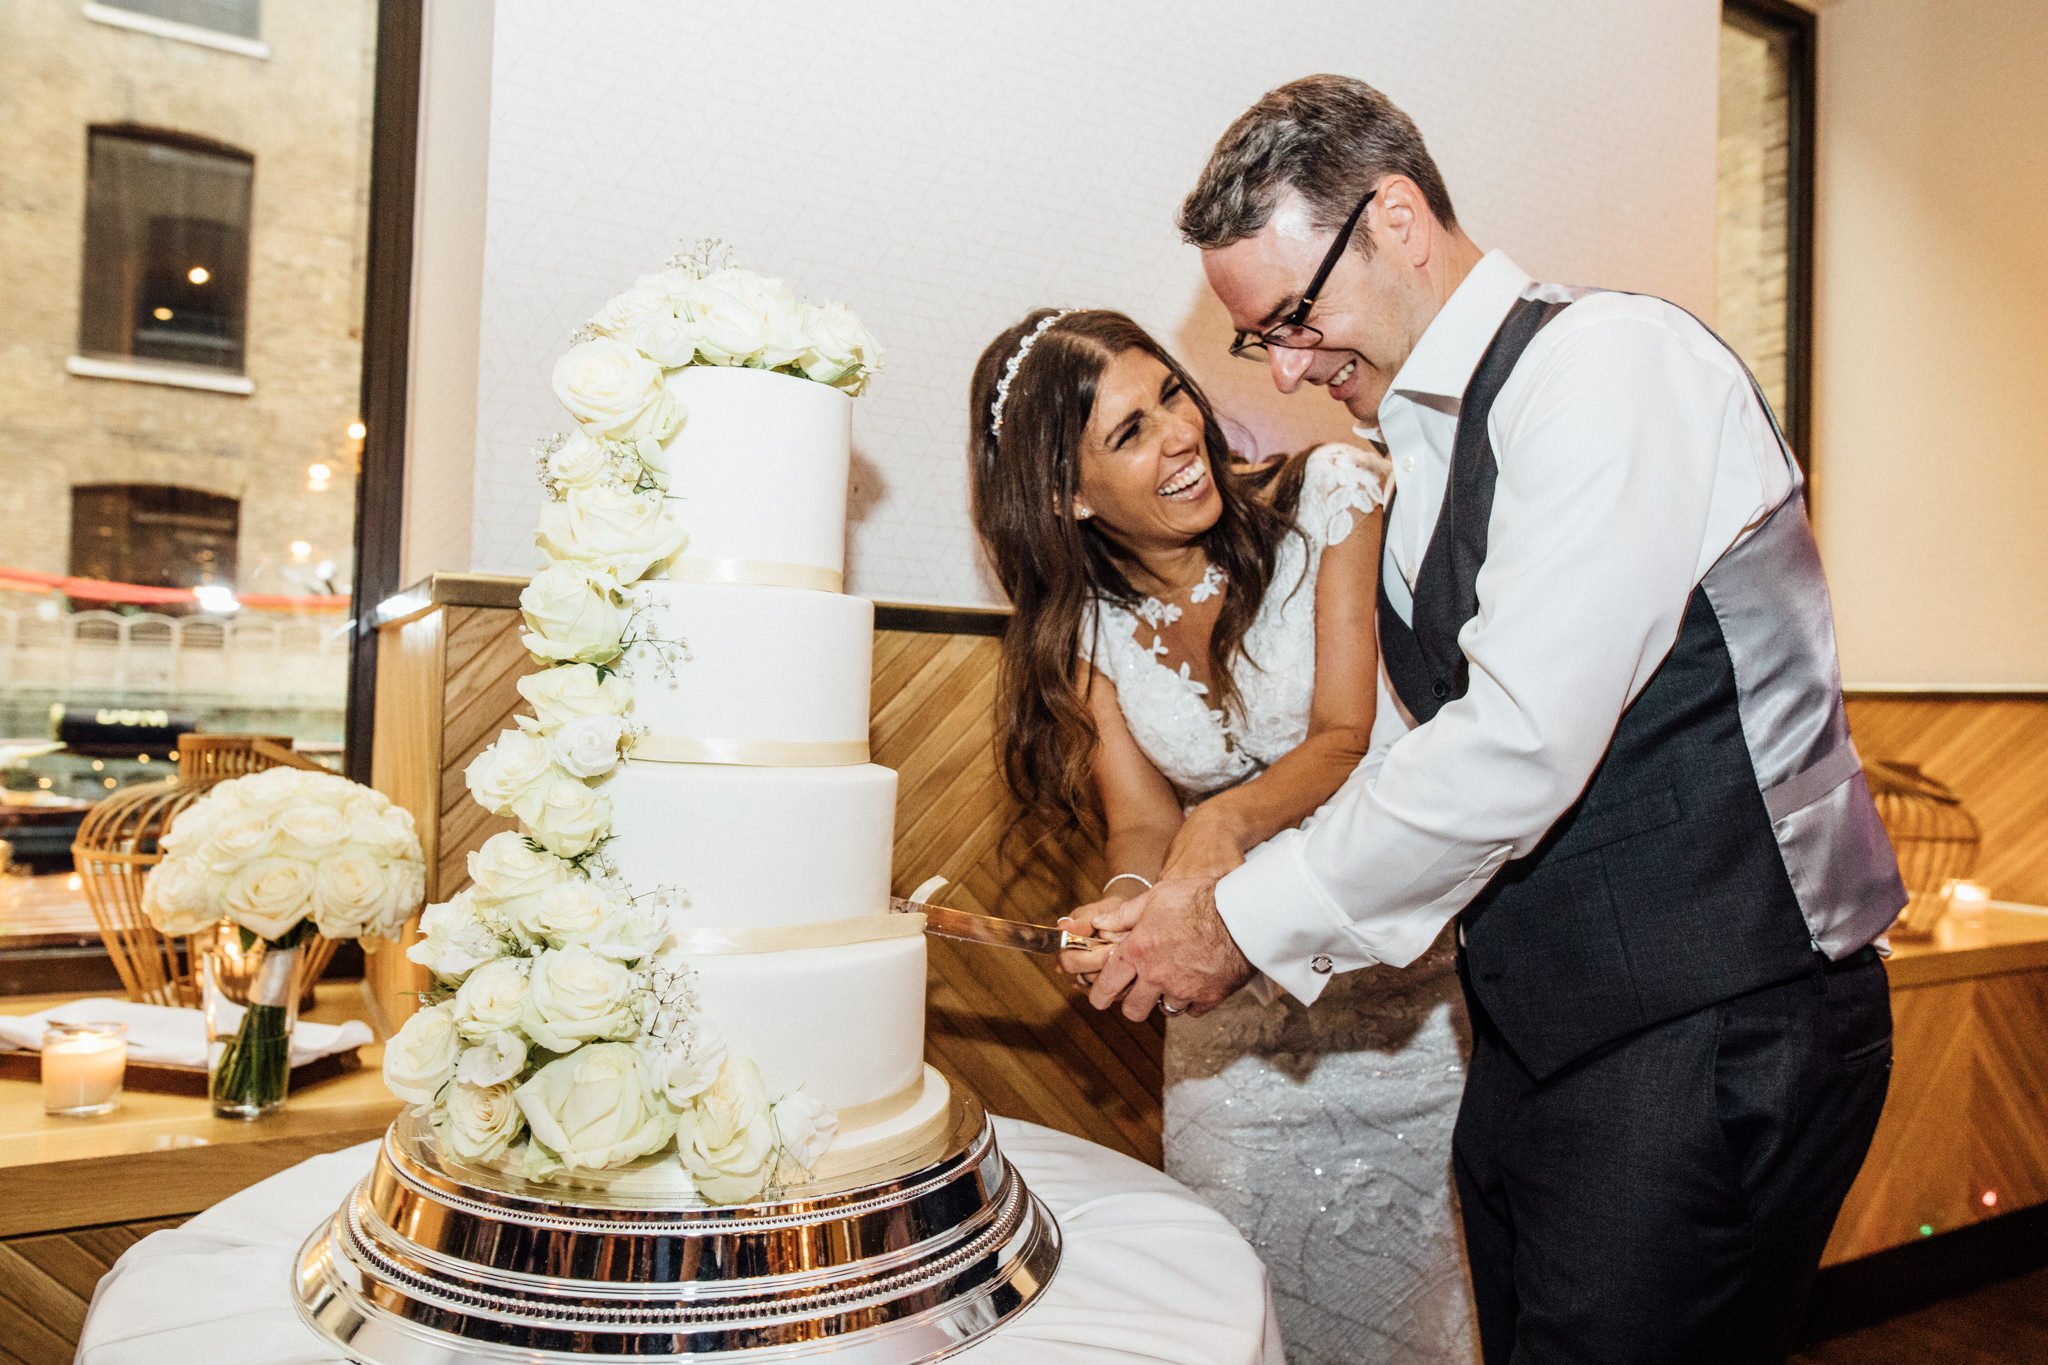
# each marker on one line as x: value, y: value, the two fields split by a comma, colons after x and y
x: 274, y: 859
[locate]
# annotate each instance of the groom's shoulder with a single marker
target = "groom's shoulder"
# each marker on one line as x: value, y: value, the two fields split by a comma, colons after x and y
x: 1616, y: 323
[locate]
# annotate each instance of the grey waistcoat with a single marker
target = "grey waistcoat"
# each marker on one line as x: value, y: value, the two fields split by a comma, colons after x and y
x: 1726, y: 838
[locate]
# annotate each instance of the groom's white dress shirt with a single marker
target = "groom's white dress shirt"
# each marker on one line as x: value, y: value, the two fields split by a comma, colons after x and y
x: 1632, y: 454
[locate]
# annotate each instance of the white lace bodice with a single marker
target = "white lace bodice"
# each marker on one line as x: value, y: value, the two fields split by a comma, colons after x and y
x: 1196, y: 747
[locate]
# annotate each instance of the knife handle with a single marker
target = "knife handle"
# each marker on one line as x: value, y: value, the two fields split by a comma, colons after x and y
x: 1080, y: 942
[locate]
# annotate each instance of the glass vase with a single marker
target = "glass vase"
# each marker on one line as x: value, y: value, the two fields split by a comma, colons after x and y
x: 252, y: 1002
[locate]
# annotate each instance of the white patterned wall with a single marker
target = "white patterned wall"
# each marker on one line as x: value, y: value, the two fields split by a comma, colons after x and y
x: 944, y: 167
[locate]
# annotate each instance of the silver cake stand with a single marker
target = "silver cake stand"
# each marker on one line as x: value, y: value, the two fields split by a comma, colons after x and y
x: 430, y: 1262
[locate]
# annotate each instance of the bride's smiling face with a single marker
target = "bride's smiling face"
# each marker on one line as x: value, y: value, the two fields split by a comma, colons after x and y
x: 1144, y: 465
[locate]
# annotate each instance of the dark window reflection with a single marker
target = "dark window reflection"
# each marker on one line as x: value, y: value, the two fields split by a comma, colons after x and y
x: 153, y: 534
x: 166, y: 250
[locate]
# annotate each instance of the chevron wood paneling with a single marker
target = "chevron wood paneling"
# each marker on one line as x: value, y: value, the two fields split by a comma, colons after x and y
x: 1993, y: 752
x: 1006, y: 1023
x: 1967, y: 1114
x: 46, y: 1284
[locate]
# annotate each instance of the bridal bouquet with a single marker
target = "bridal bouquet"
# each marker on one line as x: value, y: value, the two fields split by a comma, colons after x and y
x: 283, y: 855
x: 561, y: 1033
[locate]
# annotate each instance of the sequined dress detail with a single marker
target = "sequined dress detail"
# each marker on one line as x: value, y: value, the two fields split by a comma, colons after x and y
x: 1323, y: 1133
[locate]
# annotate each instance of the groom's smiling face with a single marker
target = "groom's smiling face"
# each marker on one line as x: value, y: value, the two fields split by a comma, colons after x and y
x: 1259, y: 279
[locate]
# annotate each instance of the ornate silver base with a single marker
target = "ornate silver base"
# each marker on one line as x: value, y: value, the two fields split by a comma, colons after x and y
x: 423, y: 1264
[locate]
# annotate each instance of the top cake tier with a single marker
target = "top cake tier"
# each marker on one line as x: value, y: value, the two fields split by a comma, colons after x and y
x: 759, y: 473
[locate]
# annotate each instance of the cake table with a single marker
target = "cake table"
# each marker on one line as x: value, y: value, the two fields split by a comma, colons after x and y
x: 1147, y: 1273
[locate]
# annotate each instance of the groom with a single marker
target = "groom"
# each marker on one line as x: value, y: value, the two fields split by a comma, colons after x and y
x: 1610, y: 744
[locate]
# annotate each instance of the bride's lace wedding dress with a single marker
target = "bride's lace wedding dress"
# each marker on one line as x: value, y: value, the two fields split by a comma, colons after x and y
x: 1324, y: 1133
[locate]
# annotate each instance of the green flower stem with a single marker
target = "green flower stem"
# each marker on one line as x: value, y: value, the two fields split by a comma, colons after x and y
x: 256, y: 1066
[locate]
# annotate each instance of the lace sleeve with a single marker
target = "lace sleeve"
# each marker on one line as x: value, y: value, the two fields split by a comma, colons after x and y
x: 1341, y: 480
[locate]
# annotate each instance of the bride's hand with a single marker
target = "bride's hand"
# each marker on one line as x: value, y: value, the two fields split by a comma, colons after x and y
x: 1205, y: 848
x: 1084, y: 963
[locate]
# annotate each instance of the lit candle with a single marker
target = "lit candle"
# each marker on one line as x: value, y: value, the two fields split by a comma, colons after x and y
x: 1968, y: 899
x: 83, y: 1065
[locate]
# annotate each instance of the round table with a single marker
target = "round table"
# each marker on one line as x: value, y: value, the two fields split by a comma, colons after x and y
x: 1148, y: 1273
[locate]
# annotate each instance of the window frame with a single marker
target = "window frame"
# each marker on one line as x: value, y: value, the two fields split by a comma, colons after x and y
x: 98, y: 364
x: 1799, y: 28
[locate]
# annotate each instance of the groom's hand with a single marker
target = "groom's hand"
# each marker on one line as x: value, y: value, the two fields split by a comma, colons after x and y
x: 1178, y: 951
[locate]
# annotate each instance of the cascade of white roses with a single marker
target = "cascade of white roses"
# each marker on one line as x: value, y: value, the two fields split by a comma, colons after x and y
x: 561, y: 1033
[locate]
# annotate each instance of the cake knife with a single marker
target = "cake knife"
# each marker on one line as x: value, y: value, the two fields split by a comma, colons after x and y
x: 1003, y: 933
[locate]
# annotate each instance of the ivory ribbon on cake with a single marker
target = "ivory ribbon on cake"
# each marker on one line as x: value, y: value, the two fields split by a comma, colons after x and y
x: 887, y: 1107
x: 782, y: 938
x: 752, y: 753
x: 760, y: 573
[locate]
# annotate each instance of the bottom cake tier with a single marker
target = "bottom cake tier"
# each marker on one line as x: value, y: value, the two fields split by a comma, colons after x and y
x: 429, y: 1260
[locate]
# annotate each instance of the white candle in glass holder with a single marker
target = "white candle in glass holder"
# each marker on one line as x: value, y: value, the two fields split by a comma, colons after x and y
x: 83, y: 1066
x: 1968, y: 900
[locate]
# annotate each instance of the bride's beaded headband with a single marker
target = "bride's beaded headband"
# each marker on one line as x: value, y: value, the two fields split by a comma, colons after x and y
x: 995, y: 409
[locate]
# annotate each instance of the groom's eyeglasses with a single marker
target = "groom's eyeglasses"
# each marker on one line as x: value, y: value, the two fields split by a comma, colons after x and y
x: 1293, y: 332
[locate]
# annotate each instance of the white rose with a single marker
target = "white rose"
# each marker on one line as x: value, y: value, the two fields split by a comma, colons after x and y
x: 405, y: 886
x: 315, y: 826
x: 613, y: 529
x: 689, y: 1064
x: 615, y: 391
x: 353, y: 895
x: 739, y: 318
x: 420, y: 1058
x: 384, y: 828
x: 805, y: 1128
x: 589, y: 745
x: 241, y: 837
x: 456, y: 938
x: 492, y: 1000
x: 493, y: 1060
x: 667, y: 340
x: 572, y: 912
x: 726, y: 1139
x: 178, y: 896
x: 625, y: 311
x: 269, y: 896
x: 573, y: 612
x: 581, y: 462
x: 837, y: 343
x: 574, y: 997
x: 515, y: 764
x: 477, y: 1123
x: 560, y: 694
x: 634, y: 929
x: 507, y: 868
x: 595, y: 1108
x: 194, y: 826
x: 567, y: 817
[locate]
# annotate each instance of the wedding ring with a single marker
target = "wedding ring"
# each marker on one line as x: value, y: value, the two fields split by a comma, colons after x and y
x: 1167, y: 1007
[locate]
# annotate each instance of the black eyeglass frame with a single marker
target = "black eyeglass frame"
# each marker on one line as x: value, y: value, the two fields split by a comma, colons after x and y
x: 1300, y: 336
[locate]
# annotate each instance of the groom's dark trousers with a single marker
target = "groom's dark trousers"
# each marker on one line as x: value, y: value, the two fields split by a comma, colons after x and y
x: 1689, y: 1230
x: 1681, y: 1039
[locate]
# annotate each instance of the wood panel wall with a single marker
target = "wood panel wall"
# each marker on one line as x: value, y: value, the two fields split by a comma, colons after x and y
x: 1993, y: 752
x: 46, y: 1284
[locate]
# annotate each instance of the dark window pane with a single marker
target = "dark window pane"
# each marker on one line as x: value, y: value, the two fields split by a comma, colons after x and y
x: 153, y: 534
x: 166, y: 251
x: 238, y: 17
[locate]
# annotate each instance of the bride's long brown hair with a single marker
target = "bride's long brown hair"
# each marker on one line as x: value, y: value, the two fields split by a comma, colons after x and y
x: 1024, y: 480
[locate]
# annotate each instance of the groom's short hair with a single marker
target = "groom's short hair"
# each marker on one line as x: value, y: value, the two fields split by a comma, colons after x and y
x: 1328, y: 138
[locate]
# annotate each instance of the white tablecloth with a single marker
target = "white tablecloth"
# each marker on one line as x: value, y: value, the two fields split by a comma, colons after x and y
x: 1148, y: 1272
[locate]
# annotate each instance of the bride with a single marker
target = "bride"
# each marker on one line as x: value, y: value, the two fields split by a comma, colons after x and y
x: 1190, y: 668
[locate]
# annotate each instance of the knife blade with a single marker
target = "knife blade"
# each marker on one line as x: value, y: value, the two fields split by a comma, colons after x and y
x: 969, y: 927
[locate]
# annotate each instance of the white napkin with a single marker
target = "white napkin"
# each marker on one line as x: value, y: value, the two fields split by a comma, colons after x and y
x: 171, y: 1037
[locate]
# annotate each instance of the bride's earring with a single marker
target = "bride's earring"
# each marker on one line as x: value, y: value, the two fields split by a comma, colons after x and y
x: 1082, y: 511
